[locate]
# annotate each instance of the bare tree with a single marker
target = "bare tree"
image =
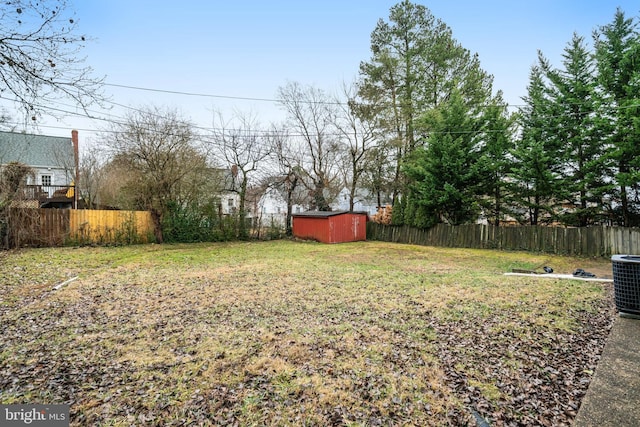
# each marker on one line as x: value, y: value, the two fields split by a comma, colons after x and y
x: 115, y: 177
x: 287, y: 177
x: 156, y: 148
x: 40, y: 56
x: 92, y: 177
x: 356, y: 125
x: 243, y: 147
x: 312, y: 115
x: 13, y: 177
x: 379, y: 174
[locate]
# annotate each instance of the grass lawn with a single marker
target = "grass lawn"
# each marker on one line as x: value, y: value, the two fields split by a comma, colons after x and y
x: 295, y: 333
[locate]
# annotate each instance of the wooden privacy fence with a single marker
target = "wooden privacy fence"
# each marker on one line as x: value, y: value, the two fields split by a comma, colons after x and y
x: 586, y: 241
x: 101, y: 226
x: 56, y: 227
x: 36, y: 227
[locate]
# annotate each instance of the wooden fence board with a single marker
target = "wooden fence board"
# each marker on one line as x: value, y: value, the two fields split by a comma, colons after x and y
x: 36, y: 227
x: 55, y: 227
x: 587, y: 241
x: 109, y: 226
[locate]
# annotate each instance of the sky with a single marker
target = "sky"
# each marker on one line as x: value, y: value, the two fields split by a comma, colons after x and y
x: 232, y: 56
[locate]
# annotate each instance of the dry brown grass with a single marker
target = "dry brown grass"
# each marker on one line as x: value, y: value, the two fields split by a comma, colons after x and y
x: 272, y: 333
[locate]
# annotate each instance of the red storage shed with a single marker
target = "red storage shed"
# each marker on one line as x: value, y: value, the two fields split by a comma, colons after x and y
x: 330, y: 227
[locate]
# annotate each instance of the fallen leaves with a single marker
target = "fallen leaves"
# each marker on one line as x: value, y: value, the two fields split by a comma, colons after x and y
x: 286, y: 334
x: 540, y: 374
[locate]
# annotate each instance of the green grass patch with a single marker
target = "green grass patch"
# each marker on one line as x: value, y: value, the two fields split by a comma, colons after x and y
x: 270, y: 333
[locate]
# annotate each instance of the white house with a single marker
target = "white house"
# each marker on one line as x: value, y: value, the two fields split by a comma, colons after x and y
x: 363, y: 201
x: 271, y: 208
x: 54, y: 161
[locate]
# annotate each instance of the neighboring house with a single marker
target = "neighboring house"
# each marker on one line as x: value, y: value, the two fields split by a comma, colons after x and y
x: 229, y: 203
x: 229, y: 191
x: 364, y: 201
x: 269, y: 207
x: 54, y: 161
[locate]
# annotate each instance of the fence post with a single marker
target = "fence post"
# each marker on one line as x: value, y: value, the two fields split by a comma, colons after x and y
x: 591, y: 241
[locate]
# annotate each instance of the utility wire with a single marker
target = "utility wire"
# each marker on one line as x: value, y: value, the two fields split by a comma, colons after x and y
x: 121, y: 121
x: 202, y: 95
x: 246, y: 98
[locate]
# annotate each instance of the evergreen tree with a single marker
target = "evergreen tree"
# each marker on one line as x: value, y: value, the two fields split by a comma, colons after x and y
x: 415, y: 66
x: 617, y: 47
x: 495, y: 161
x: 536, y: 169
x: 574, y: 125
x: 444, y: 176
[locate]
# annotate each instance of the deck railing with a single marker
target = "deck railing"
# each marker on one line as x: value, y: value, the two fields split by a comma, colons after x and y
x: 40, y: 192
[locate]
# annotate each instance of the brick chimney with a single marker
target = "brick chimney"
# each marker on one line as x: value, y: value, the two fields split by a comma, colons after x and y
x: 76, y: 156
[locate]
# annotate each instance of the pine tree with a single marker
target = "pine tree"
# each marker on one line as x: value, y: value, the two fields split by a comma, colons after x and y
x: 617, y: 48
x: 444, y: 176
x: 415, y: 66
x: 495, y: 161
x: 536, y: 169
x: 574, y: 123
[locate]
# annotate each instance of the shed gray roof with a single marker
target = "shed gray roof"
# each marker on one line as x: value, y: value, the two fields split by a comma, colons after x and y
x: 325, y: 214
x: 36, y: 150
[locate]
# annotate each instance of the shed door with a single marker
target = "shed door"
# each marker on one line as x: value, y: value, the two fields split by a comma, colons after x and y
x: 355, y: 226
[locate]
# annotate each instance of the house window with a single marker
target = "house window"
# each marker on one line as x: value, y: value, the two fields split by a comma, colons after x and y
x: 230, y: 203
x: 45, y: 180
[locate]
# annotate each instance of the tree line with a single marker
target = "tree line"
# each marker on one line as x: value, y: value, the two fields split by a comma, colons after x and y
x: 421, y: 129
x: 568, y: 156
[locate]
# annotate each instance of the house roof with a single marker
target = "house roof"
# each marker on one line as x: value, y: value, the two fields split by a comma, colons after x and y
x: 36, y: 150
x: 325, y: 214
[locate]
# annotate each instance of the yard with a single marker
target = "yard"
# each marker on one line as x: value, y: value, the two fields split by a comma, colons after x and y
x: 291, y: 333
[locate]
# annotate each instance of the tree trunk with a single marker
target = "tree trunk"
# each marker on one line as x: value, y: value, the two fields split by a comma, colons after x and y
x: 624, y: 203
x: 318, y: 197
x: 536, y: 211
x: 498, y: 205
x: 156, y: 217
x: 242, y: 217
x: 352, y: 196
x: 291, y: 188
x: 624, y: 200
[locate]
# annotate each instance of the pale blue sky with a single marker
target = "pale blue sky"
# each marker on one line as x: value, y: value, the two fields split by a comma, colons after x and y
x: 248, y: 48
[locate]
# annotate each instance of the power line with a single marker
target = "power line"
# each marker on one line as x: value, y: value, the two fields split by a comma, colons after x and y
x: 276, y: 101
x: 202, y: 95
x: 247, y: 98
x: 119, y: 120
